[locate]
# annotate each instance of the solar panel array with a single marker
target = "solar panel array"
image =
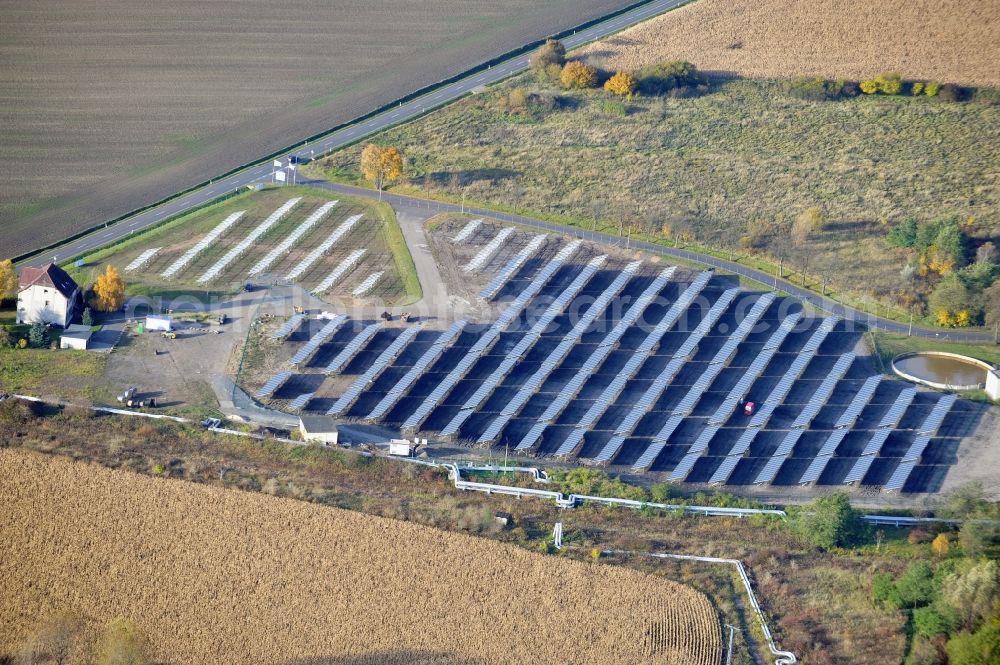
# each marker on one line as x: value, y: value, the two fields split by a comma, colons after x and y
x: 680, y: 358
x: 282, y: 247
x: 874, y: 446
x: 288, y: 326
x: 202, y: 244
x: 273, y: 384
x: 912, y: 456
x: 597, y: 357
x: 515, y: 263
x: 467, y: 230
x: 325, y: 333
x: 837, y: 436
x: 637, y: 411
x: 341, y: 359
x: 487, y: 252
x: 423, y: 363
x: 490, y: 336
x: 337, y: 273
x: 383, y: 360
x: 250, y: 239
x: 556, y: 357
x: 322, y: 248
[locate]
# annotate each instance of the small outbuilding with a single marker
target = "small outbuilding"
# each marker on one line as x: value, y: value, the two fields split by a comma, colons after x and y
x: 75, y: 337
x: 401, y: 448
x: 319, y: 429
x: 159, y: 322
x: 993, y: 384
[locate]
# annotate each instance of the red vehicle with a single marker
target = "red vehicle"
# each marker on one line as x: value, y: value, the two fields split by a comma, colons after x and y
x: 749, y: 408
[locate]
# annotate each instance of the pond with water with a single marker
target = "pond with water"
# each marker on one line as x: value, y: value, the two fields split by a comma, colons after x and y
x: 942, y: 369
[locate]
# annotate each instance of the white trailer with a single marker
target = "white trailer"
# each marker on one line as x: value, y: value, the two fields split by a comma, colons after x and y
x: 158, y: 322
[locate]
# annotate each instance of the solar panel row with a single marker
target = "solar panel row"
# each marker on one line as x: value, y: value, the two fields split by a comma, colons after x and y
x: 341, y: 359
x: 326, y: 332
x: 512, y: 267
x: 388, y: 355
x: 273, y: 384
x: 430, y: 355
x: 288, y: 326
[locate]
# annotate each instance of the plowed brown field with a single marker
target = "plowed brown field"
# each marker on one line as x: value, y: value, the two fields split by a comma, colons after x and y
x: 109, y: 105
x: 955, y: 41
x: 216, y: 575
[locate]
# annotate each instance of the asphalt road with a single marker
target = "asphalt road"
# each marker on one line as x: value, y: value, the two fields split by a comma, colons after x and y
x: 262, y: 173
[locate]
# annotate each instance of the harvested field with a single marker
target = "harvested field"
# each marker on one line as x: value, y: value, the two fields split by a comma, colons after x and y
x: 217, y: 575
x: 955, y: 41
x: 109, y: 106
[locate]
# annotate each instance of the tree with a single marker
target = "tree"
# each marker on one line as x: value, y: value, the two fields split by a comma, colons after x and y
x: 806, y: 223
x: 988, y: 254
x: 941, y: 544
x: 578, y: 75
x: 903, y: 234
x: 980, y: 648
x: 87, y: 318
x: 917, y: 89
x: 973, y: 592
x: 662, y: 78
x: 951, y: 295
x: 991, y: 304
x: 973, y: 538
x: 51, y: 641
x: 5, y: 338
x: 933, y: 620
x: 109, y: 290
x: 869, y: 87
x: 38, y: 335
x: 830, y: 522
x: 916, y: 587
x: 8, y: 279
x: 381, y: 164
x: 622, y: 84
x: 932, y: 88
x: 889, y: 83
x: 122, y: 644
x: 552, y: 52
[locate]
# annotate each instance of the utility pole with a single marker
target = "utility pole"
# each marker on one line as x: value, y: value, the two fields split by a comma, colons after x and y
x: 909, y: 333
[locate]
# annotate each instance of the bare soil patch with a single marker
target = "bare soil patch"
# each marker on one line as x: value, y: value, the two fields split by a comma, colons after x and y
x: 219, y: 575
x: 955, y: 41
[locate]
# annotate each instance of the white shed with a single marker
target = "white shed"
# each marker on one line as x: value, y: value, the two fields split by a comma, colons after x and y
x: 320, y: 429
x: 75, y: 337
x: 993, y: 384
x: 401, y: 447
x: 158, y: 322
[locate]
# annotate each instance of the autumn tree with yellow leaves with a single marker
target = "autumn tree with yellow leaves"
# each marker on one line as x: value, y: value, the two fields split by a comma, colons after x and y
x: 8, y: 279
x: 381, y: 164
x: 109, y: 290
x: 578, y: 75
x: 622, y: 84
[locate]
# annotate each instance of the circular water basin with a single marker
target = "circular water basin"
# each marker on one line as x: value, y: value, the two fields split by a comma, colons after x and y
x: 942, y: 370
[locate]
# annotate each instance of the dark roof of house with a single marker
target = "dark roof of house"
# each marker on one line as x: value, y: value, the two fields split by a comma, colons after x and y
x: 77, y: 331
x: 51, y: 276
x: 318, y: 424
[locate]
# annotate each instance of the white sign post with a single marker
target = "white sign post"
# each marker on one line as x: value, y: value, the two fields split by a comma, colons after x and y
x: 279, y: 176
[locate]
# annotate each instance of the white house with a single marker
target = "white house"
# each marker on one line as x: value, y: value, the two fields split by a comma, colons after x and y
x: 320, y: 429
x: 75, y: 337
x: 46, y: 295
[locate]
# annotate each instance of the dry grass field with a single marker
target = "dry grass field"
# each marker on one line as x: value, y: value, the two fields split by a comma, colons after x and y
x: 956, y: 41
x: 110, y: 105
x: 217, y: 575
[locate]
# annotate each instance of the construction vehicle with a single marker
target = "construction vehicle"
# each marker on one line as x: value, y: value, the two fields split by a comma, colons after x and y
x: 126, y: 396
x: 169, y: 334
x: 405, y: 317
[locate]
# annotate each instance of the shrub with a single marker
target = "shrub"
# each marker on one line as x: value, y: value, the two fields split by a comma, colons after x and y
x: 552, y: 52
x: 808, y: 222
x: 941, y: 544
x: 663, y: 78
x: 5, y: 337
x: 819, y: 89
x: 869, y: 87
x: 613, y: 107
x: 830, y: 522
x: 950, y: 93
x: 578, y: 75
x: 917, y: 88
x: 980, y: 648
x: 38, y: 336
x: 889, y: 83
x: 22, y: 343
x: 903, y: 234
x: 622, y: 84
x: 933, y: 620
x: 987, y: 96
x: 931, y: 88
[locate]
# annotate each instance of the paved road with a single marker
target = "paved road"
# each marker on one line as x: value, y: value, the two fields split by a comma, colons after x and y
x: 262, y: 172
